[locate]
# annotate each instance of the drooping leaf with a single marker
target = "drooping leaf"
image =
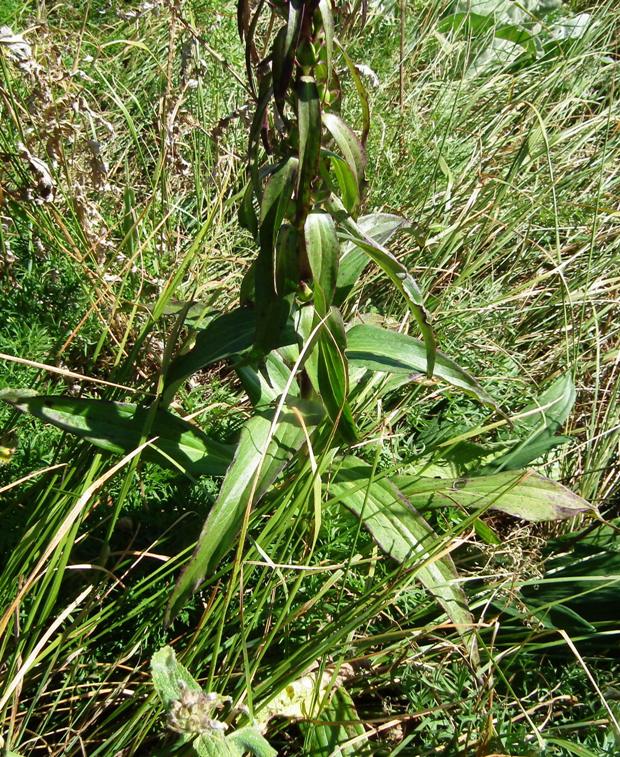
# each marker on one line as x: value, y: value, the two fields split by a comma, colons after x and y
x: 378, y: 349
x: 543, y: 420
x: 348, y: 144
x: 230, y: 334
x: 380, y: 227
x: 323, y: 251
x: 404, y: 535
x: 392, y: 267
x: 262, y: 452
x: 522, y: 494
x: 118, y: 427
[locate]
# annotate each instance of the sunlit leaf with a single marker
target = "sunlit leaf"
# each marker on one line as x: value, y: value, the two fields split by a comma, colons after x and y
x: 378, y: 349
x: 522, y: 494
x: 118, y: 427
x: 404, y: 534
x: 323, y: 251
x: 263, y: 450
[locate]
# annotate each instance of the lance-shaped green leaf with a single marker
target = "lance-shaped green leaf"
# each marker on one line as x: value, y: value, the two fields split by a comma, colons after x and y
x: 264, y: 449
x: 265, y: 385
x: 272, y: 309
x: 229, y: 334
x: 275, y: 202
x: 393, y: 268
x: 361, y: 92
x: 348, y: 144
x: 333, y: 375
x: 284, y: 61
x: 404, y: 535
x: 544, y: 419
x: 380, y: 227
x: 347, y: 183
x: 327, y: 18
x: 287, y: 260
x: 390, y: 352
x: 323, y: 251
x: 118, y: 427
x: 309, y: 123
x: 522, y: 494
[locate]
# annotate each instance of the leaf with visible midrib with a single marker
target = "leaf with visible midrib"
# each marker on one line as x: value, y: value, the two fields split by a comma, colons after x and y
x: 261, y: 454
x: 391, y: 352
x: 522, y: 494
x: 228, y: 334
x: 118, y: 427
x: 403, y: 534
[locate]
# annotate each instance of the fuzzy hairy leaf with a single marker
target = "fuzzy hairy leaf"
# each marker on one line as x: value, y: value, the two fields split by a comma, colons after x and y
x: 118, y: 427
x: 170, y: 678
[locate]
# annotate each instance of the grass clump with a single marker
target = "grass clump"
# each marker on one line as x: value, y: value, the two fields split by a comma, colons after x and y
x: 325, y: 612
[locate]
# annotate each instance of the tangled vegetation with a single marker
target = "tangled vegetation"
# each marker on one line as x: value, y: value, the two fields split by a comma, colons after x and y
x: 308, y: 378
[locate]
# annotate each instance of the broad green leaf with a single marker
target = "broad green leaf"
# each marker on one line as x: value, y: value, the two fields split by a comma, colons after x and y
x: 347, y: 183
x: 380, y: 227
x: 265, y: 385
x: 309, y: 123
x: 390, y: 352
x: 404, y: 535
x: 250, y: 739
x: 522, y: 494
x: 323, y: 252
x: 118, y: 427
x: 327, y: 18
x: 348, y: 144
x: 404, y: 282
x: 333, y: 375
x: 229, y: 334
x: 170, y: 678
x: 262, y: 452
x: 548, y: 415
x: 338, y: 723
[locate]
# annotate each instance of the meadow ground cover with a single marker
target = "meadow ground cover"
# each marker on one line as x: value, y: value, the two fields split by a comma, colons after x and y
x: 395, y: 563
